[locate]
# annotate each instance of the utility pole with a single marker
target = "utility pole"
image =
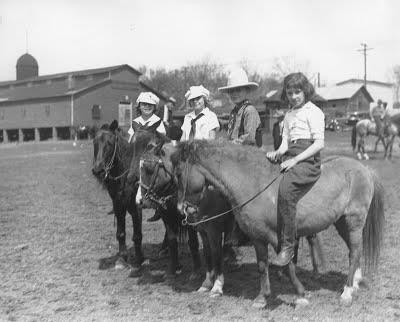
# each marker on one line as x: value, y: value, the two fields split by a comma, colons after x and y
x: 364, y: 50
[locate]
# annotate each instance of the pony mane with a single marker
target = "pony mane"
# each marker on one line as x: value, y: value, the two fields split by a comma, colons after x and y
x: 221, y: 148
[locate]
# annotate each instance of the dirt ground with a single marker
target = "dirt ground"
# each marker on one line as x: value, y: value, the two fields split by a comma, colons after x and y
x: 55, y: 231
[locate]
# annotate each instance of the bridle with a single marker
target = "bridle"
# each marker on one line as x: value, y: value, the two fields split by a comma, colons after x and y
x: 158, y: 197
x: 108, y: 167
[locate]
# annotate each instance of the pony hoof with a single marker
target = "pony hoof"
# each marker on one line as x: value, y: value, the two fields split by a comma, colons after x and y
x: 203, y: 289
x: 120, y: 264
x: 302, y: 301
x: 215, y: 294
x: 359, y: 156
x: 346, y: 298
x: 366, y: 157
x: 259, y: 305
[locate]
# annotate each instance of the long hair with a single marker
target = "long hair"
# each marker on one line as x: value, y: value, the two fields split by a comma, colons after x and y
x: 298, y: 81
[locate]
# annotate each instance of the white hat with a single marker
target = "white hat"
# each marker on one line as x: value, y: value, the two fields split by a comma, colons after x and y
x: 238, y: 78
x: 148, y: 97
x: 196, y: 91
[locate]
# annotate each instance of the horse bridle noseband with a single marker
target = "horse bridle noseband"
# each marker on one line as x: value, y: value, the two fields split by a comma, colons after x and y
x: 151, y: 193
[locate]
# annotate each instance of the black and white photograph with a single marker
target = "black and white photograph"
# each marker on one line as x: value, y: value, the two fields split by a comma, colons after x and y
x: 187, y: 160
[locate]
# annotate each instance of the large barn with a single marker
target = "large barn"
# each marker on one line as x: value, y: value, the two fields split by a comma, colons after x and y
x: 34, y: 107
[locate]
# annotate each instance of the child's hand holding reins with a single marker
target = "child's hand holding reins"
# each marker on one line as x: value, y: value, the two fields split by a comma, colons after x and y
x: 272, y: 156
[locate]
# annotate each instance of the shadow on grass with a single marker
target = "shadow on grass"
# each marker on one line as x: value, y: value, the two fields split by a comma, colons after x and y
x: 240, y: 281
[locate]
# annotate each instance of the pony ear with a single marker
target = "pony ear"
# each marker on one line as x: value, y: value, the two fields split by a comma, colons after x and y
x: 157, y: 150
x: 105, y: 127
x: 135, y: 126
x: 113, y: 125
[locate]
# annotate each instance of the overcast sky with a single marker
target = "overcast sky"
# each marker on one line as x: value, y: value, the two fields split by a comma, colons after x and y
x: 67, y: 35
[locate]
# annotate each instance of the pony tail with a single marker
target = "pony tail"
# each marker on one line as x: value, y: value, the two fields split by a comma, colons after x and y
x: 373, y: 228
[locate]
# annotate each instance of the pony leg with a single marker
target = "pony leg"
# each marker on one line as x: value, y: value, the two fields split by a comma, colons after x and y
x: 194, y: 251
x: 317, y: 256
x: 215, y: 238
x: 137, y: 237
x: 353, y: 240
x: 209, y: 280
x: 262, y: 262
x: 120, y: 213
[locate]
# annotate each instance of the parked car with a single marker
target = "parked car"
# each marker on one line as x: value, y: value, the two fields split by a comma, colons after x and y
x: 354, y: 117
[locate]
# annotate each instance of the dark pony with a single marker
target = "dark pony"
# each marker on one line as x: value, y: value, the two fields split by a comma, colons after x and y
x: 112, y: 158
x: 166, y: 207
x: 348, y: 195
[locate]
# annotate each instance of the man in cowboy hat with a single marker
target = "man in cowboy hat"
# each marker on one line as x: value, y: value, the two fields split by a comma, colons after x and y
x: 278, y: 128
x: 244, y: 119
x: 243, y: 125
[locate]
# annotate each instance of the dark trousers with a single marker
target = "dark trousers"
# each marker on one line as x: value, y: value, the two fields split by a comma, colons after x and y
x: 379, y: 125
x: 295, y: 183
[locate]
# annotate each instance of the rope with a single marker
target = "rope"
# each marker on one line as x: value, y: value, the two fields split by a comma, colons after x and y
x: 185, y: 222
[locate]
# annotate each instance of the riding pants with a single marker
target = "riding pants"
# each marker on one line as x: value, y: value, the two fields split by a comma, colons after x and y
x: 295, y: 183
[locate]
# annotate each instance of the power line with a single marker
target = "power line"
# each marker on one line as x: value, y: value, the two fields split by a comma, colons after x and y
x: 364, y: 50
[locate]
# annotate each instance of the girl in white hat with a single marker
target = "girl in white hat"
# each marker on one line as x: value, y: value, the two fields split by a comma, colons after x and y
x: 147, y: 105
x: 201, y: 123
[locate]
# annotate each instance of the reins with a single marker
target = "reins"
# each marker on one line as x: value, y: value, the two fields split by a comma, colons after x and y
x: 186, y: 222
x: 109, y: 165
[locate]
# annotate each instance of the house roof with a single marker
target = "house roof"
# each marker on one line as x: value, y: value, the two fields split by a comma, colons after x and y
x: 361, y: 81
x: 345, y: 91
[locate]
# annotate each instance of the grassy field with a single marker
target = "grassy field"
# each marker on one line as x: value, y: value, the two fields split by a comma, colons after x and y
x: 54, y: 231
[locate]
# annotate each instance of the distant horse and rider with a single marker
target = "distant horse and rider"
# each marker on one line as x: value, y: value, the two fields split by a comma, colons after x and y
x: 385, y: 126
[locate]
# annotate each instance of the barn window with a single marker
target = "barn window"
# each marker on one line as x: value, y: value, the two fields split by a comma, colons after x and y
x: 47, y: 110
x: 1, y: 115
x: 96, y: 109
x: 333, y: 105
x: 23, y: 112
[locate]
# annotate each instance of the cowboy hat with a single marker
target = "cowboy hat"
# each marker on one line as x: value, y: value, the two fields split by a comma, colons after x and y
x: 148, y: 97
x: 238, y: 78
x: 196, y: 91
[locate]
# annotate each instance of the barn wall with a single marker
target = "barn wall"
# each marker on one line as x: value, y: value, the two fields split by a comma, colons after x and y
x: 44, y: 113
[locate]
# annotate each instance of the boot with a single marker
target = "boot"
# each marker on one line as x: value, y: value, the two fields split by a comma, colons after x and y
x: 155, y: 217
x: 288, y: 239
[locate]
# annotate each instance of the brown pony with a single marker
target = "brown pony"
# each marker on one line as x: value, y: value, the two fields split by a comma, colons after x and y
x: 348, y: 195
x: 158, y: 183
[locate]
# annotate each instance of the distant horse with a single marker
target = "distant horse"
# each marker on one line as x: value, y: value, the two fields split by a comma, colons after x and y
x: 348, y: 195
x: 112, y: 157
x: 365, y: 127
x: 157, y: 182
x: 393, y: 130
x: 166, y: 206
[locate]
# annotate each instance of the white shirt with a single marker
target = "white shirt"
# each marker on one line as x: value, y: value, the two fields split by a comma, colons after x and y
x: 150, y: 121
x: 306, y: 122
x: 204, y: 125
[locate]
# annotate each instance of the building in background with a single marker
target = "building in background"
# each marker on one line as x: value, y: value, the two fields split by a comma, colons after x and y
x: 34, y: 107
x: 378, y: 90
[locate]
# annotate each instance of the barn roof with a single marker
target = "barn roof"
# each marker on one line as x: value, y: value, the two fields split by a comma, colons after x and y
x: 361, y: 81
x: 344, y: 91
x: 41, y: 89
x: 84, y: 72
